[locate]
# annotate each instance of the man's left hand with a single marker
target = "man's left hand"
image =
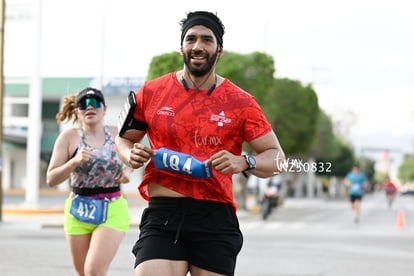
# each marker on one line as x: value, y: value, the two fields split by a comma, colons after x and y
x: 226, y: 162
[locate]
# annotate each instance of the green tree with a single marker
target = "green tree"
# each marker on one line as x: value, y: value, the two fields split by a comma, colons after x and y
x: 368, y: 167
x: 251, y: 72
x: 293, y: 111
x: 341, y: 163
x: 325, y: 145
x: 164, y: 64
x: 406, y: 169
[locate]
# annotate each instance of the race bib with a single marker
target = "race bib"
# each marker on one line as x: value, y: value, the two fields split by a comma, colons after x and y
x: 182, y: 163
x: 355, y: 189
x: 89, y: 209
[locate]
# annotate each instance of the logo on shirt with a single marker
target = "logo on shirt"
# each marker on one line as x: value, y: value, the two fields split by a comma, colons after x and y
x: 166, y: 111
x: 220, y: 119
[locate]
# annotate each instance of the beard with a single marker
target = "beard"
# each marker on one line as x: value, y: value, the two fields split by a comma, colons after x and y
x: 200, y: 71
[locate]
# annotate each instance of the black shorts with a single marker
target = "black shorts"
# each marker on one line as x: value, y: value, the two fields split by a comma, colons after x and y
x: 352, y: 198
x: 204, y: 233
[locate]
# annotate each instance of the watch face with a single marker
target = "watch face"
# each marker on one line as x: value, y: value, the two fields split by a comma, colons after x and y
x: 252, y: 162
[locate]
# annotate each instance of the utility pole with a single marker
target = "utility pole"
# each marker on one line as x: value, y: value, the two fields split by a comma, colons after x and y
x: 102, y: 49
x: 35, y: 116
x: 2, y: 13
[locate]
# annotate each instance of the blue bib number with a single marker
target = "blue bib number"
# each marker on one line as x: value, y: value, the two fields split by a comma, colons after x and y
x: 89, y: 209
x: 356, y: 189
x: 182, y: 163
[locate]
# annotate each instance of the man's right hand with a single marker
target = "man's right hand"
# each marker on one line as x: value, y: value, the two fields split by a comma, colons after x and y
x: 139, y: 155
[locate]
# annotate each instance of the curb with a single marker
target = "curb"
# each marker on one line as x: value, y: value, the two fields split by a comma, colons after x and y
x: 41, y: 192
x: 26, y: 211
x: 126, y: 194
x: 60, y: 225
x: 22, y: 211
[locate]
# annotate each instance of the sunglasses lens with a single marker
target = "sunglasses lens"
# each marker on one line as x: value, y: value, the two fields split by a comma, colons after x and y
x: 85, y: 102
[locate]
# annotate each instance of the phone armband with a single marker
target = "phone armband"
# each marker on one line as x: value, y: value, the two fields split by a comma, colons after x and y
x: 126, y: 118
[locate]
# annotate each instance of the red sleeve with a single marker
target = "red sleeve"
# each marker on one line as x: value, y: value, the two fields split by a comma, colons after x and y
x: 256, y: 123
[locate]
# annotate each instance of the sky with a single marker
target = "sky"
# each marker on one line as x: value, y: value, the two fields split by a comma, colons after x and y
x: 358, y: 54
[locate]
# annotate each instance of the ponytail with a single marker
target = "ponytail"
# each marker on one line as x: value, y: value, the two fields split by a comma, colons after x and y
x: 68, y: 110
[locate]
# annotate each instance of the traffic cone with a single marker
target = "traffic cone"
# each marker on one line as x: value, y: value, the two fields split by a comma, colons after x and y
x: 400, y: 223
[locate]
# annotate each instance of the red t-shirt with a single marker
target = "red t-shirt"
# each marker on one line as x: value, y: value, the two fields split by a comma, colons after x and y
x: 198, y: 124
x: 390, y: 187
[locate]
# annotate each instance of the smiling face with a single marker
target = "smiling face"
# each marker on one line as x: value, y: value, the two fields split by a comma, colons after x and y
x: 200, y: 50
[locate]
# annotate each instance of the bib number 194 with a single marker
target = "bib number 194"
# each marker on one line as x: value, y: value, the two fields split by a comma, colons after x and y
x: 173, y: 162
x: 169, y: 160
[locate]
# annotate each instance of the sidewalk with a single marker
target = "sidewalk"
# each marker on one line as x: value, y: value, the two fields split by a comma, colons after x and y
x: 49, y: 210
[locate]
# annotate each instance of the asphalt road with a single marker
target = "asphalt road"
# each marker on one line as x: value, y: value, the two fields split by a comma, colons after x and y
x: 304, y: 237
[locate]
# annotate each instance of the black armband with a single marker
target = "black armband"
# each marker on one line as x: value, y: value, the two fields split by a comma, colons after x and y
x: 126, y: 118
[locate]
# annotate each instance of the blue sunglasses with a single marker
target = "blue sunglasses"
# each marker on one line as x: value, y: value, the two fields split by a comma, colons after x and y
x: 85, y: 102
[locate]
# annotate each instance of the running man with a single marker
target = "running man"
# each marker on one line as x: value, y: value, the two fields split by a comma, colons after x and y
x: 196, y: 122
x: 357, y: 182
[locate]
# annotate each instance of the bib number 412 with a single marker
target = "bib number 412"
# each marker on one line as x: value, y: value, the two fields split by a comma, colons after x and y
x: 89, y: 209
x: 86, y: 210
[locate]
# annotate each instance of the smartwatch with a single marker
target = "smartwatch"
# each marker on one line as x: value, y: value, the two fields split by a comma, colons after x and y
x: 250, y: 161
